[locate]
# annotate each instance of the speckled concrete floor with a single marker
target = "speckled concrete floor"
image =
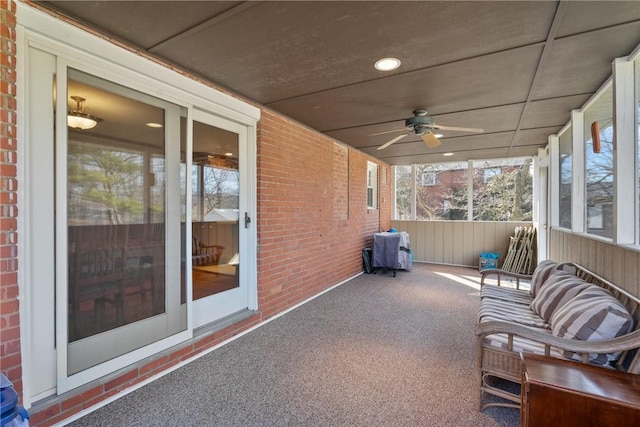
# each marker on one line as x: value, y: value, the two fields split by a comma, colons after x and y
x: 376, y: 351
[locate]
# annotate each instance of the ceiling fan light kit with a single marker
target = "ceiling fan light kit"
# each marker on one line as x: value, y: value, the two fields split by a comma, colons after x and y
x: 78, y: 119
x: 422, y: 124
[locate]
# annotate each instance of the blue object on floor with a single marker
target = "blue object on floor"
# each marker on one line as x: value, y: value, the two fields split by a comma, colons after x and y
x: 488, y: 260
x: 11, y: 415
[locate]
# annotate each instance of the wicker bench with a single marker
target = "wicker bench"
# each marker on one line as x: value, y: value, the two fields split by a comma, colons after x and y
x: 205, y: 254
x: 569, y: 313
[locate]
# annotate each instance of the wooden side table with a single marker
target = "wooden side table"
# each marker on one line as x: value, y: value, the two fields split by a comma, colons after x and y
x: 559, y: 392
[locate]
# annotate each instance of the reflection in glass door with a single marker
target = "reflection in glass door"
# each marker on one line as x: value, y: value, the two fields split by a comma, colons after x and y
x: 120, y: 296
x: 215, y: 211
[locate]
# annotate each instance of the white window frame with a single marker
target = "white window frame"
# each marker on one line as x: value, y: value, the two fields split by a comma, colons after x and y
x: 625, y: 218
x: 470, y: 183
x: 429, y: 179
x: 372, y: 185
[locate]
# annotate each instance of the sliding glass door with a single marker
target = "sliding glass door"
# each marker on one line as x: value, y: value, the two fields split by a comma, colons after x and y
x: 138, y: 214
x: 122, y: 208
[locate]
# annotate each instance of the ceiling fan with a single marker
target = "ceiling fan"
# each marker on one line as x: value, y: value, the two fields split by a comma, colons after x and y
x: 422, y: 124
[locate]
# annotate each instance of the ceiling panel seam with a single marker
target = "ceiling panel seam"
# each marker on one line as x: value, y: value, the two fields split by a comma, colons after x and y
x: 619, y: 25
x: 209, y: 22
x: 552, y: 98
x: 560, y: 11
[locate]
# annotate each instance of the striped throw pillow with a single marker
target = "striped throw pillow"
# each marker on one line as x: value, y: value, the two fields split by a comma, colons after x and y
x: 558, y: 290
x: 540, y: 275
x: 593, y: 315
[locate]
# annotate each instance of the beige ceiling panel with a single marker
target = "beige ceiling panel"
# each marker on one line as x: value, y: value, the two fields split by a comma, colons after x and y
x: 280, y: 50
x: 579, y: 18
x: 580, y: 64
x: 537, y: 136
x: 525, y: 150
x: 144, y: 23
x: 488, y: 81
x: 470, y: 64
x: 550, y: 112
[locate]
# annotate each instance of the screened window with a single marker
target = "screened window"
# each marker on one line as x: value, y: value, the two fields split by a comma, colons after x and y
x: 637, y: 69
x: 565, y: 167
x: 490, y: 173
x: 599, y: 177
x: 403, y: 208
x: 501, y: 190
x: 508, y: 193
x: 444, y: 197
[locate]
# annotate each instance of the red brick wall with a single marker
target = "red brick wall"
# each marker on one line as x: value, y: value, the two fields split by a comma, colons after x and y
x: 312, y: 225
x: 313, y: 219
x: 10, y: 361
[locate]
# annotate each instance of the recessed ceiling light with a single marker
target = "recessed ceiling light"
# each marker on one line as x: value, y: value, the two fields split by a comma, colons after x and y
x: 438, y: 135
x: 387, y: 64
x: 228, y: 154
x: 447, y: 154
x: 154, y: 125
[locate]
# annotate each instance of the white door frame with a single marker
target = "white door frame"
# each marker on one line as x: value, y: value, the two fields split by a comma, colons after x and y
x: 217, y: 306
x: 97, y: 55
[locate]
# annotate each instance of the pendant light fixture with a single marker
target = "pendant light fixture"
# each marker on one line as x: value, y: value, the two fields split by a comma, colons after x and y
x: 78, y: 119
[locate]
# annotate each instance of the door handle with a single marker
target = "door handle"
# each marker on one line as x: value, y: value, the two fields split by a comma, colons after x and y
x: 247, y: 220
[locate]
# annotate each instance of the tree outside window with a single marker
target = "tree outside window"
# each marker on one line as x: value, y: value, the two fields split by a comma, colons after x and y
x: 403, y: 192
x: 502, y: 190
x: 450, y: 186
x: 508, y: 195
x: 599, y: 175
x: 565, y: 167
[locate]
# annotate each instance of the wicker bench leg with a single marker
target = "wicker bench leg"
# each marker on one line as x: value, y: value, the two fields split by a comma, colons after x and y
x: 495, y: 391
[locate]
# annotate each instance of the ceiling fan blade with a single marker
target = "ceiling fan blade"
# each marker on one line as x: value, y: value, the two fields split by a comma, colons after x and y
x: 430, y: 139
x: 388, y: 131
x: 396, y: 139
x: 476, y: 130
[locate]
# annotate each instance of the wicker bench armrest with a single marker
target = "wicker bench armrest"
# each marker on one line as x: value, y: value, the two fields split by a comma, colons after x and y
x: 629, y: 341
x: 503, y: 273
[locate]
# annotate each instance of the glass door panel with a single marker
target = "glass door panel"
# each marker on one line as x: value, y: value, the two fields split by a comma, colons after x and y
x: 119, y: 298
x: 215, y: 211
x: 216, y: 174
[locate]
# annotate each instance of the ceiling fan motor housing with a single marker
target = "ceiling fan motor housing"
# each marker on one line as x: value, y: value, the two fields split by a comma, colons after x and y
x: 420, y: 123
